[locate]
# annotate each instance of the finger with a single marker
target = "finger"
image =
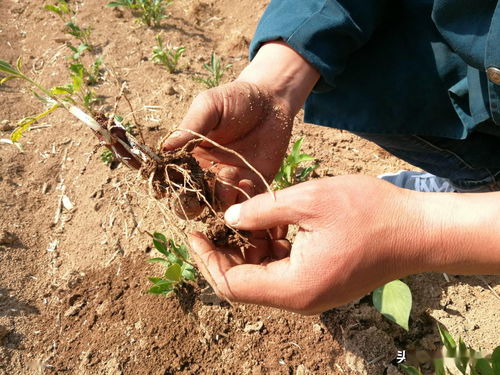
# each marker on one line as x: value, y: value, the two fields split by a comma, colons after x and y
x: 281, y: 249
x: 293, y: 205
x: 202, y: 116
x: 226, y: 187
x: 264, y: 285
x: 248, y: 188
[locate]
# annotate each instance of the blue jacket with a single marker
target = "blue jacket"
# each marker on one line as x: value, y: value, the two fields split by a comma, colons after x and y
x: 394, y: 66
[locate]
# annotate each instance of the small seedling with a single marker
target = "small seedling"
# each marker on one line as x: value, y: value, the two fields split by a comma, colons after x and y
x: 107, y: 156
x: 92, y: 74
x: 461, y: 358
x: 67, y: 15
x: 290, y: 172
x: 167, y: 56
x: 216, y: 72
x: 150, y: 12
x: 61, y: 9
x: 178, y: 271
x: 82, y: 34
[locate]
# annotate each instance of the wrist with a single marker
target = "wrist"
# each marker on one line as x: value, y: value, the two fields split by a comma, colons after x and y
x: 451, y: 232
x: 284, y: 73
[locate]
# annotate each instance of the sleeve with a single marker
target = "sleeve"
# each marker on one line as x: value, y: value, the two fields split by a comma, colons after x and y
x: 324, y: 32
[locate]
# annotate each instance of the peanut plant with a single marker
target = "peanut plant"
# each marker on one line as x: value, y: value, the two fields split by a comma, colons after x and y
x: 150, y: 12
x: 215, y: 70
x: 179, y: 270
x: 167, y: 56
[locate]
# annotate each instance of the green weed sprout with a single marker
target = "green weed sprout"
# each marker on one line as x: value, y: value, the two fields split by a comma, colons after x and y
x: 290, y: 172
x: 216, y: 72
x: 178, y: 268
x: 107, y: 156
x: 460, y: 357
x: 150, y: 12
x: 168, y: 57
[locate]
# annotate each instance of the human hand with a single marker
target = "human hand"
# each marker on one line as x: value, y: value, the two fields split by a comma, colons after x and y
x: 252, y: 116
x: 353, y: 237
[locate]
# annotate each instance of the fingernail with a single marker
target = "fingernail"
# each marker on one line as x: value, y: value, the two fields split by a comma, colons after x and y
x: 232, y: 215
x: 175, y: 134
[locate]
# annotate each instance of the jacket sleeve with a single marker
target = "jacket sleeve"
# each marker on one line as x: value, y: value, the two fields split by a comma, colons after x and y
x: 324, y: 32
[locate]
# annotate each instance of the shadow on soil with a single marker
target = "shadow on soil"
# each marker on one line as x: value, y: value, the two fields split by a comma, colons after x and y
x: 10, y: 306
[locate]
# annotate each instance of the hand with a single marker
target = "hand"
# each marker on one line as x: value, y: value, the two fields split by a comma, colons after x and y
x: 342, y: 251
x: 252, y: 116
x: 355, y: 234
x: 243, y: 117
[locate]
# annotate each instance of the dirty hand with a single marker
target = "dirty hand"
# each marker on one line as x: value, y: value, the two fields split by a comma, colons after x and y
x: 252, y: 116
x: 355, y: 234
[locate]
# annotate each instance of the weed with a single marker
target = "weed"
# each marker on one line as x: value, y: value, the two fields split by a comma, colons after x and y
x: 150, y: 12
x: 107, y: 156
x: 178, y: 268
x: 290, y: 173
x: 460, y: 357
x: 216, y: 72
x: 168, y: 57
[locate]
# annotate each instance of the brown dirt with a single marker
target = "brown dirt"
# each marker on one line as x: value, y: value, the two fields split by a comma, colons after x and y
x: 73, y: 281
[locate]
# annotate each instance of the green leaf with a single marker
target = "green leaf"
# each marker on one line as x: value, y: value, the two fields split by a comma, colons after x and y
x: 160, y: 243
x: 306, y: 171
x: 5, y: 79
x: 188, y: 272
x: 439, y: 366
x: 393, y: 300
x: 297, y: 146
x: 52, y: 8
x: 173, y: 272
x: 483, y: 367
x: 447, y: 341
x: 19, y: 64
x: 161, y: 287
x: 181, y: 250
x: 154, y: 280
x: 463, y: 357
x: 410, y: 370
x: 7, y: 68
x: 159, y: 260
x: 60, y: 90
x: 495, y: 361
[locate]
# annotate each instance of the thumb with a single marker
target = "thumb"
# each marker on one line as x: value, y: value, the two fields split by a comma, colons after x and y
x: 238, y: 282
x: 293, y: 205
x: 202, y: 116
